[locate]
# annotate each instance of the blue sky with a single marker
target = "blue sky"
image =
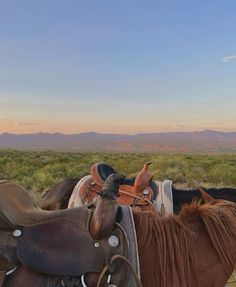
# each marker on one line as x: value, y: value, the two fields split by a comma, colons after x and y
x: 117, y: 66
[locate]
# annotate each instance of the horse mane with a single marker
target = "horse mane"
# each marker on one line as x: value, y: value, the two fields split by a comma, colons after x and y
x: 168, y: 246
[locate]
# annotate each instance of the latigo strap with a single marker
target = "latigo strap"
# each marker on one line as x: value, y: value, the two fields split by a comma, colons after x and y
x: 2, y: 277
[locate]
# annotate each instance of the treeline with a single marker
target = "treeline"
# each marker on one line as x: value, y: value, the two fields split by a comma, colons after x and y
x: 37, y: 171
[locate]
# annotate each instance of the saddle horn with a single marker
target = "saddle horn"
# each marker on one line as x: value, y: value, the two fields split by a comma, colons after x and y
x: 104, y: 215
x: 143, y: 179
x: 110, y: 189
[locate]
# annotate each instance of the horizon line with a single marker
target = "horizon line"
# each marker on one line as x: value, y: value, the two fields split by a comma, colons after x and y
x: 109, y: 133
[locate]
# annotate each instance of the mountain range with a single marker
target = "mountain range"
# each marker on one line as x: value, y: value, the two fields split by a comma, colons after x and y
x: 208, y: 141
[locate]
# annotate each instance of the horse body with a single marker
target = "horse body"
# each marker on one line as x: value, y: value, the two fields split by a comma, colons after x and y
x: 58, y: 196
x: 184, y: 196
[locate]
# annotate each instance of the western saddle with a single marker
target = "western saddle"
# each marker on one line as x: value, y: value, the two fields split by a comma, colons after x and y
x: 137, y: 191
x: 80, y: 237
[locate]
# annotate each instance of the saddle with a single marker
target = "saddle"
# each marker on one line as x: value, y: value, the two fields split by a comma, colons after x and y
x: 135, y: 191
x: 55, y: 242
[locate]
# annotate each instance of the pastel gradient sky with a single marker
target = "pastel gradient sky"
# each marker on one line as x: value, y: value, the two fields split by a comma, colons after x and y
x: 124, y: 66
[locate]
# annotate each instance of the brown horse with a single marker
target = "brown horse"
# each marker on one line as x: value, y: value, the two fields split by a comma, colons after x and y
x: 195, y: 248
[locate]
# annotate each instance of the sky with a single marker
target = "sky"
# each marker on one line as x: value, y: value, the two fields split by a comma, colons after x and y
x: 126, y: 66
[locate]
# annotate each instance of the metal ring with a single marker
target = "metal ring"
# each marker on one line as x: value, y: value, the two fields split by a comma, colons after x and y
x: 82, y: 281
x: 10, y: 271
x: 109, y: 278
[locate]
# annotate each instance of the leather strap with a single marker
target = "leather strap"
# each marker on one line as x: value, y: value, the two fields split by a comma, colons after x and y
x: 2, y: 277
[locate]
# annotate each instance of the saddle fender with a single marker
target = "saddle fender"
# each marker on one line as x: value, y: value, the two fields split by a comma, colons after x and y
x: 65, y: 248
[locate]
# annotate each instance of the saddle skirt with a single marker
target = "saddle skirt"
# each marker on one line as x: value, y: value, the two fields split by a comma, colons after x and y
x: 63, y: 247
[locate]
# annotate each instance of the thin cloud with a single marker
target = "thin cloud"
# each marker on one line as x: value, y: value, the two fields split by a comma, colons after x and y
x: 18, y: 123
x: 26, y: 123
x: 229, y: 58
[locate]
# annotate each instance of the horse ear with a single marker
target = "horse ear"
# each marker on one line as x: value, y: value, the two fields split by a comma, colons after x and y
x: 206, y: 197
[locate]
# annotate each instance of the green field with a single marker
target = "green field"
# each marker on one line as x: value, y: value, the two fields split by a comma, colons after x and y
x: 232, y: 281
x: 37, y: 171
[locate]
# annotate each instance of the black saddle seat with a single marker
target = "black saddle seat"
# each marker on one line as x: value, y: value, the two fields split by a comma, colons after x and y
x: 105, y: 170
x: 101, y: 171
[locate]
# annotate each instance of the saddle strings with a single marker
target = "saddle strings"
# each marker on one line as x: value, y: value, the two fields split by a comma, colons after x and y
x: 135, y: 196
x: 126, y: 261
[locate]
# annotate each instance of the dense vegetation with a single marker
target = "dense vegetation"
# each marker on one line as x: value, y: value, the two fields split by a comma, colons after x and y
x: 37, y: 171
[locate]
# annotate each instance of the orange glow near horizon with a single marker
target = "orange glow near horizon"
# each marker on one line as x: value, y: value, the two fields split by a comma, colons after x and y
x: 71, y: 128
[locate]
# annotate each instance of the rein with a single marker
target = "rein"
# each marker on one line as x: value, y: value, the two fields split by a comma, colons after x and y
x: 134, y: 196
x: 126, y: 261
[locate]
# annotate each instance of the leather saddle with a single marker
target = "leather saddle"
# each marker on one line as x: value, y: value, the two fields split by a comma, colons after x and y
x: 135, y: 191
x: 53, y: 242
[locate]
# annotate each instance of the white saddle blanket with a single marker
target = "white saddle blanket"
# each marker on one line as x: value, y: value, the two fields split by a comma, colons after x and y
x: 75, y: 199
x: 164, y: 200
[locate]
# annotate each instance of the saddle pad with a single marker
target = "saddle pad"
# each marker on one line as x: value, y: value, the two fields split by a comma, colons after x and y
x: 75, y: 198
x: 127, y: 223
x: 62, y: 247
x: 164, y: 197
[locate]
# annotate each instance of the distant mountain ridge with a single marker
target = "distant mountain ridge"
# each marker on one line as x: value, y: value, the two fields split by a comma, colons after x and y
x: 200, y: 141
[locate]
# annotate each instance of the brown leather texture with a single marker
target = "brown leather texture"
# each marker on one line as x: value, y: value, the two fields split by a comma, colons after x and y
x: 63, y: 247
x: 128, y: 194
x: 2, y: 276
x: 103, y: 219
x: 13, y: 202
x: 4, y: 223
x: 95, y: 174
x: 8, y: 256
x: 59, y: 242
x: 17, y: 208
x: 143, y: 179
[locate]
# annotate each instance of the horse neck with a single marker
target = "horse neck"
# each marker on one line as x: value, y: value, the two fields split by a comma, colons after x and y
x: 186, y: 250
x: 164, y: 251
